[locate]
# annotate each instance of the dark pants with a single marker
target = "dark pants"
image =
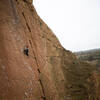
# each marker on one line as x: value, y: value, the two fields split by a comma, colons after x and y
x: 26, y: 52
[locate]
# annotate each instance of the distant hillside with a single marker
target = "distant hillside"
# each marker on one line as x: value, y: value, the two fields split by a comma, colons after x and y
x: 91, y: 56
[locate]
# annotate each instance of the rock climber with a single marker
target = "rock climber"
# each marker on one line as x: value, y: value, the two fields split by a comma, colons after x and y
x: 26, y: 50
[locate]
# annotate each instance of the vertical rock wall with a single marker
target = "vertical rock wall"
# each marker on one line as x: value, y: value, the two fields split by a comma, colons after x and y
x: 49, y: 72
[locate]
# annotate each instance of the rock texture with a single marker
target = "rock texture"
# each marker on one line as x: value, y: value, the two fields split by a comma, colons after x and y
x: 49, y: 72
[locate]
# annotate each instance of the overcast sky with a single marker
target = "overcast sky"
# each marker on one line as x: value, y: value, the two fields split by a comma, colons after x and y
x: 76, y: 23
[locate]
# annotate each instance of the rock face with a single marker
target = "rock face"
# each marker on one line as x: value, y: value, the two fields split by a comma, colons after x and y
x: 49, y: 72
x: 92, y: 57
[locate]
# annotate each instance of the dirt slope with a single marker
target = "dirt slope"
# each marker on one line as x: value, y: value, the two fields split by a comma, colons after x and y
x: 49, y: 72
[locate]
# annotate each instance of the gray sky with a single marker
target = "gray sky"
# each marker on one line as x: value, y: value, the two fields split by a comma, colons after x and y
x: 76, y: 23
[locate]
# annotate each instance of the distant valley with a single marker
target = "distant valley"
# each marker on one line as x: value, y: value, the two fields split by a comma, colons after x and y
x: 90, y: 56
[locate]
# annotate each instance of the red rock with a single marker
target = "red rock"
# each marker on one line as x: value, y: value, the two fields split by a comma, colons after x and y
x: 49, y: 72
